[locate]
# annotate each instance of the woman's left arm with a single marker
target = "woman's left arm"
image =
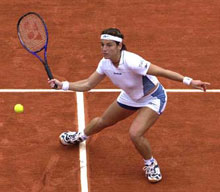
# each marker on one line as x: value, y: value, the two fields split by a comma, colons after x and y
x: 161, y: 72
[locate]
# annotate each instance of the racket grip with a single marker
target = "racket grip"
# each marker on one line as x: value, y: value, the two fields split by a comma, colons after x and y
x: 49, y: 74
x: 55, y: 86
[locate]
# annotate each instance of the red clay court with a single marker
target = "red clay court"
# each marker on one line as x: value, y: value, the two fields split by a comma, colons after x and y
x: 179, y: 35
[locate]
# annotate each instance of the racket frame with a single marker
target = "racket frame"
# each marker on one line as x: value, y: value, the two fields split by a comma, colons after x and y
x: 44, y: 61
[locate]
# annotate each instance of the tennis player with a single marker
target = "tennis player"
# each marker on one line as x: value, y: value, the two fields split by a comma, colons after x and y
x: 141, y: 93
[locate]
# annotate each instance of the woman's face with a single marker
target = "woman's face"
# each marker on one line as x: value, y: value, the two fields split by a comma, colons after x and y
x: 110, y: 49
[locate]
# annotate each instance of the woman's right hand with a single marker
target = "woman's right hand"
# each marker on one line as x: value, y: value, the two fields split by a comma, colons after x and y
x: 53, y: 82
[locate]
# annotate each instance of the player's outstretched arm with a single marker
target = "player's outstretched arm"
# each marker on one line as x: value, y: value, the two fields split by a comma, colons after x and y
x: 82, y: 85
x: 160, y: 72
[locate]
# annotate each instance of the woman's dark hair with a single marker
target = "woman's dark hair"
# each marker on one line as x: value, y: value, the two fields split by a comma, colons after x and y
x: 115, y: 32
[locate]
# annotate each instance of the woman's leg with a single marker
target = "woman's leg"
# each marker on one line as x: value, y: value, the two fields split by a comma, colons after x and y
x: 146, y: 117
x: 141, y: 124
x: 113, y: 114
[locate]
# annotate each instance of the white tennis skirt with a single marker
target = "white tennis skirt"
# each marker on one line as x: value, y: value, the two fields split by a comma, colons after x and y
x: 156, y: 101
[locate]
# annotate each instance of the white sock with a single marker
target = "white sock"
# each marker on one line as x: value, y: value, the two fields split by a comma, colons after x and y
x: 148, y: 161
x: 83, y: 136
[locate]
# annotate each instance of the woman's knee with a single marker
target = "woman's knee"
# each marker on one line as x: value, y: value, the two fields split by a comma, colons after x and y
x: 135, y: 135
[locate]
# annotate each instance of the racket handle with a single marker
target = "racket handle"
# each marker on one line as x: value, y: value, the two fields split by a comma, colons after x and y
x: 50, y: 75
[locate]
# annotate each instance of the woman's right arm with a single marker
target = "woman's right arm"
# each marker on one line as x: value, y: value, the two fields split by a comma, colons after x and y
x: 81, y: 86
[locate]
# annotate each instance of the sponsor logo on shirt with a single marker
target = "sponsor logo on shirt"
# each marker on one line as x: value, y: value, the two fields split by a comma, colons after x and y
x: 117, y: 73
x: 143, y: 64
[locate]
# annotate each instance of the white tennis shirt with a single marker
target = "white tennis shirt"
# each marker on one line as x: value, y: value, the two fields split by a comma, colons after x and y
x: 130, y: 75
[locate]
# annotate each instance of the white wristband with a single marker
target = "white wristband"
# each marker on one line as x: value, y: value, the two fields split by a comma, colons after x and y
x: 187, y: 80
x: 66, y: 85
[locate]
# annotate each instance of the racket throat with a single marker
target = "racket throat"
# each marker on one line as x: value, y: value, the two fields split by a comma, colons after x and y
x: 47, y: 68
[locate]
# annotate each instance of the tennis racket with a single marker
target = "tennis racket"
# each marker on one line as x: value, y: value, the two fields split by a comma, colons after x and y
x: 33, y: 35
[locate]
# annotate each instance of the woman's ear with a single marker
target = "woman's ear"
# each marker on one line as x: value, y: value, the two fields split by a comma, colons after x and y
x: 120, y: 46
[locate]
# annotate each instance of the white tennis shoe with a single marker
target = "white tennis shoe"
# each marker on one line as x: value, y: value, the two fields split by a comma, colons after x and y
x: 70, y: 138
x: 152, y: 172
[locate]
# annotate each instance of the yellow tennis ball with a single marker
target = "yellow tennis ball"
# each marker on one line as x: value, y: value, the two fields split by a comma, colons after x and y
x: 18, y: 108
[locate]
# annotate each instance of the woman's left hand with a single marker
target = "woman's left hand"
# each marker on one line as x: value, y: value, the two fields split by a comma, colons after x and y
x: 199, y: 84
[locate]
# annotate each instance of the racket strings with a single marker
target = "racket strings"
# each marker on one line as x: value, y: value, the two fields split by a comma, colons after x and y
x: 32, y: 32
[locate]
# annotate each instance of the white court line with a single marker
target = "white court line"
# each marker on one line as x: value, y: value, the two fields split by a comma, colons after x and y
x: 101, y: 90
x: 82, y: 146
x: 168, y: 90
x: 30, y: 90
